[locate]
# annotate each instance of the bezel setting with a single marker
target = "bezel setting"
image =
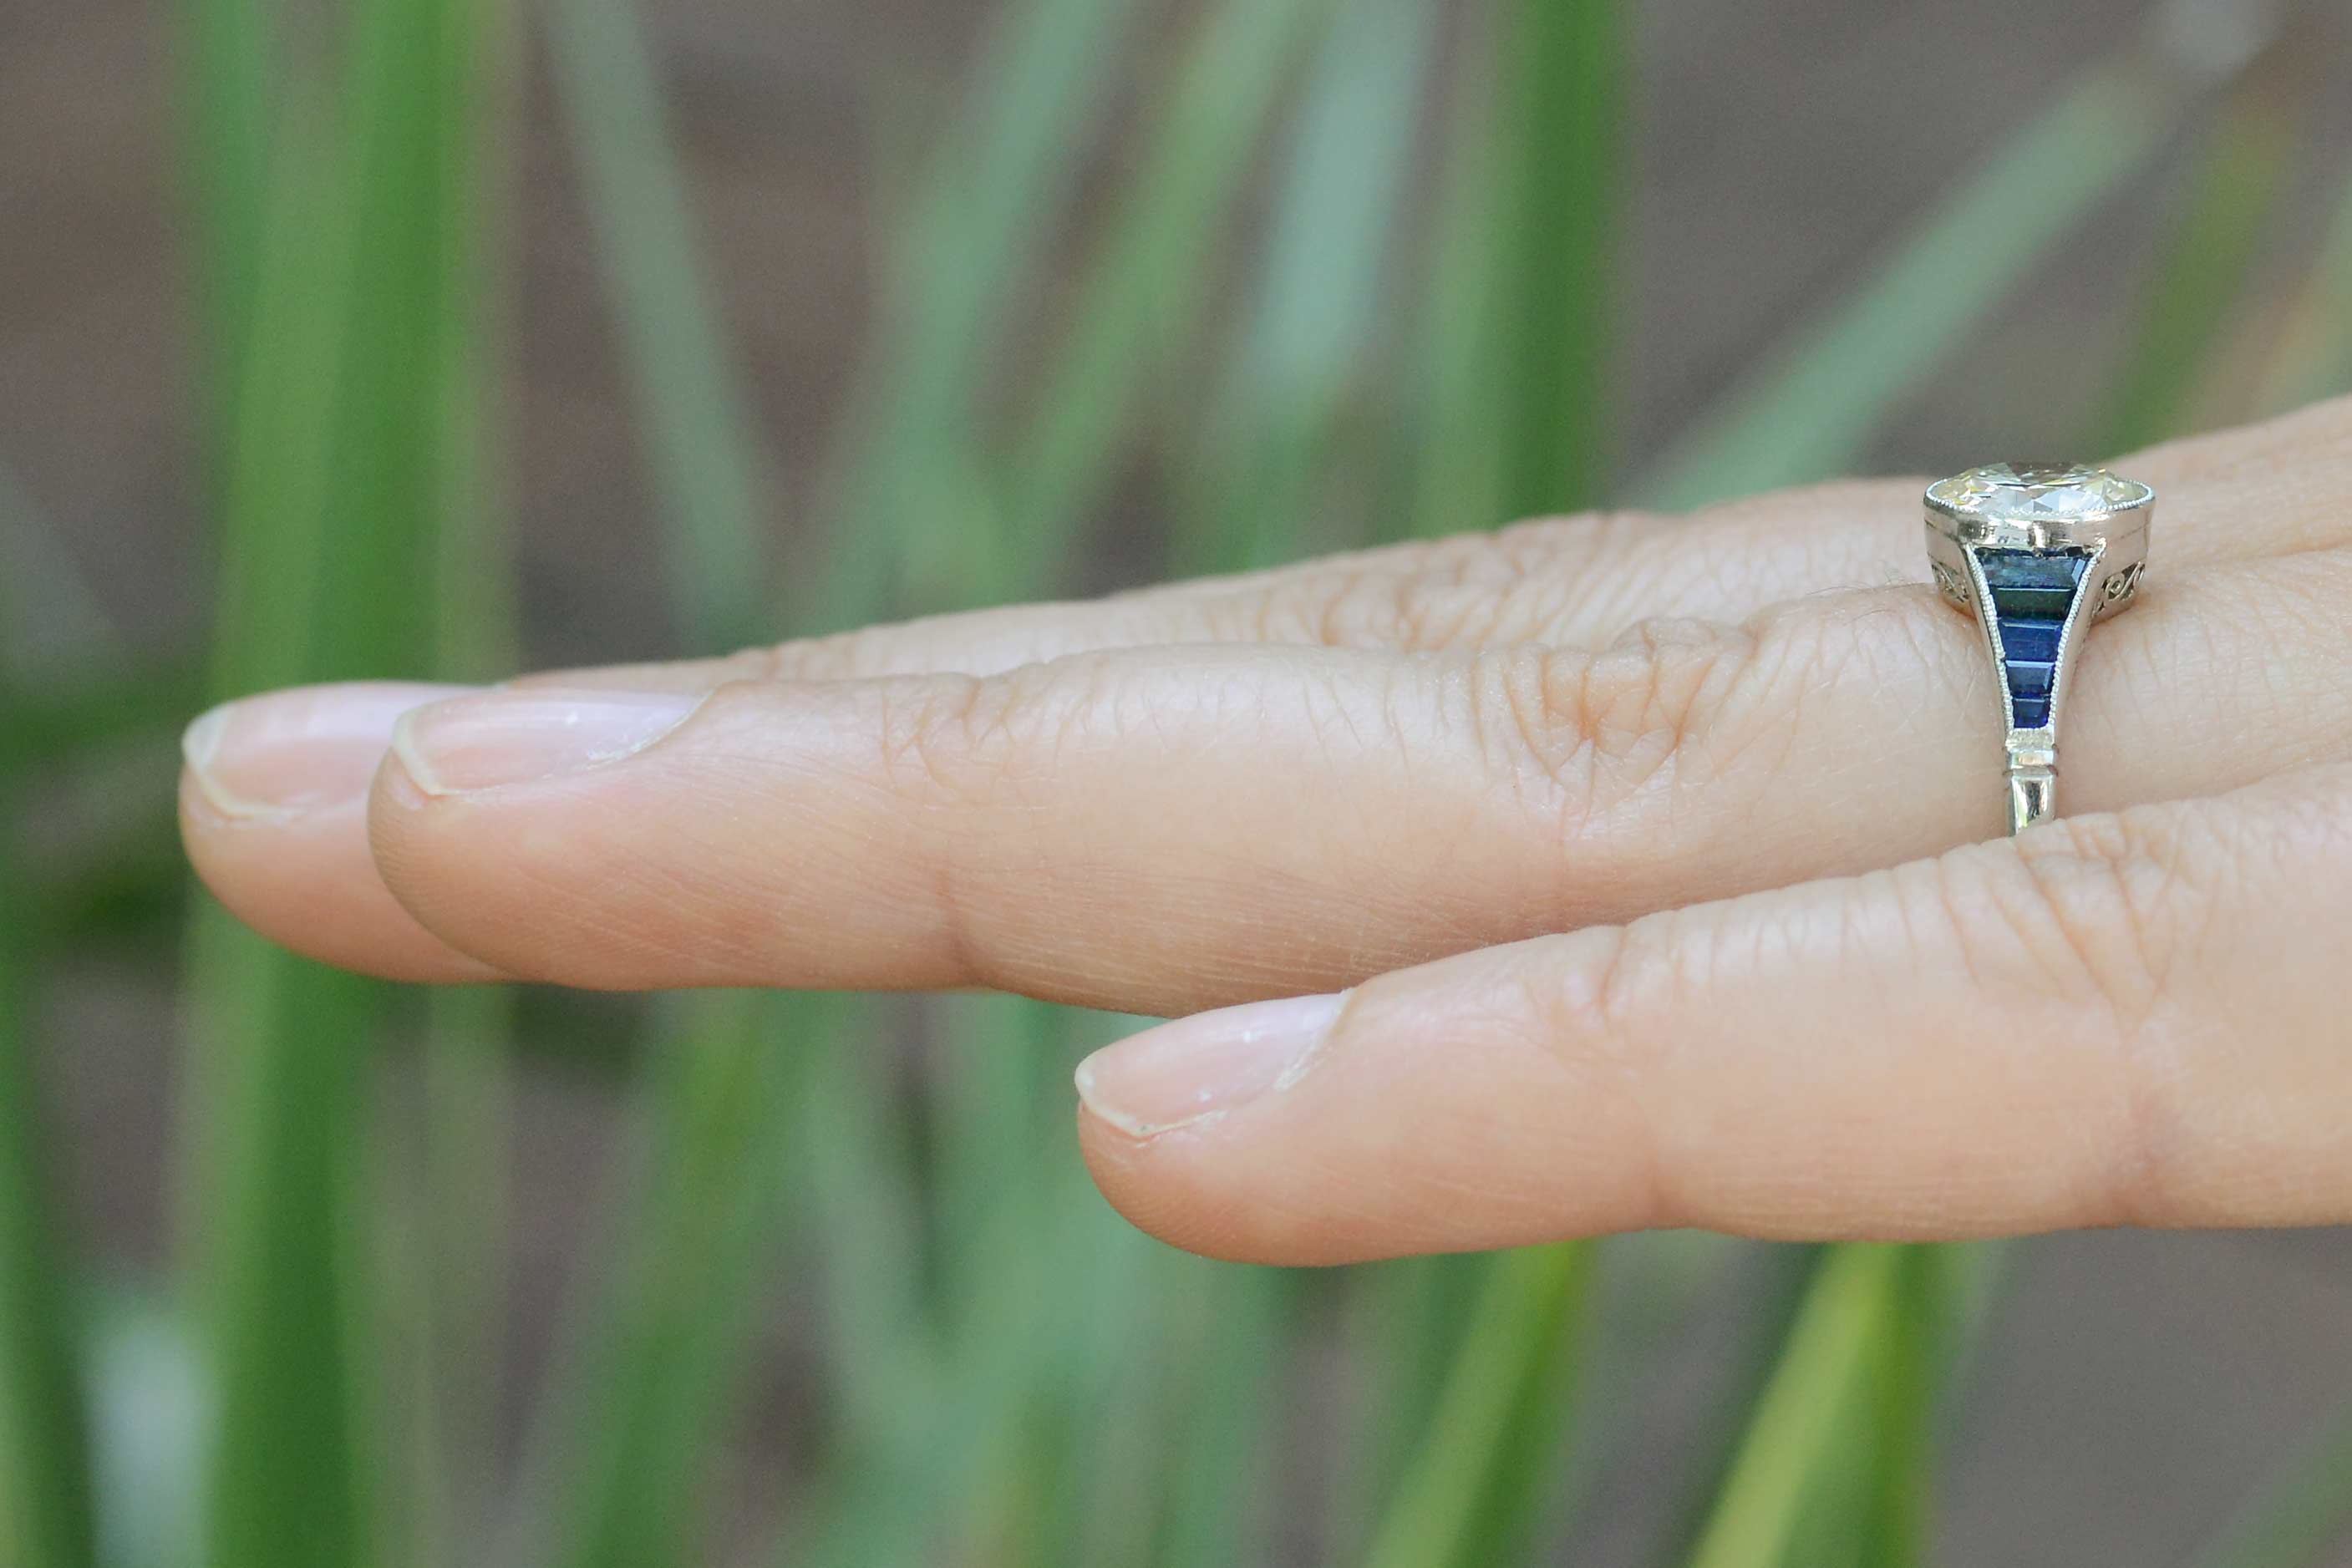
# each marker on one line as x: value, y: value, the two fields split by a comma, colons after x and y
x: 2033, y: 552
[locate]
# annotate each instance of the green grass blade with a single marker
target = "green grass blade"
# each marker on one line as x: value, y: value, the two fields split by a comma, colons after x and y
x: 1403, y: 1326
x: 229, y: 66
x: 1561, y: 105
x: 278, y: 1111
x: 277, y: 1039
x: 1144, y: 292
x: 1469, y: 1494
x: 1110, y: 1467
x: 1810, y: 406
x: 444, y: 1287
x: 2294, y: 1521
x: 1799, y: 1419
x: 1911, y: 1359
x: 46, y: 1518
x: 866, y: 1216
x: 1769, y: 1311
x: 1305, y: 343
x: 984, y: 1422
x: 331, y: 490
x: 982, y: 225
x: 1520, y: 302
x: 2203, y: 272
x: 1452, y: 427
x: 991, y: 1112
x: 1086, y: 1429
x: 53, y: 1382
x: 896, y: 1489
x: 709, y: 479
x: 1219, y: 1501
x: 1833, y: 1465
x: 649, y: 1385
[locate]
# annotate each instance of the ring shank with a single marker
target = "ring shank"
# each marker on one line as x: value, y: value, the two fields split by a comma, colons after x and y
x: 2032, y: 795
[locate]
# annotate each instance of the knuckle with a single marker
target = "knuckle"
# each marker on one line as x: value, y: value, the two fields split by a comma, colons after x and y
x: 1452, y: 592
x: 936, y: 736
x: 1585, y: 733
x: 975, y: 739
x: 1540, y: 545
x: 2108, y: 903
x: 2089, y: 927
x: 841, y: 655
x: 1434, y: 595
x: 1589, y: 1009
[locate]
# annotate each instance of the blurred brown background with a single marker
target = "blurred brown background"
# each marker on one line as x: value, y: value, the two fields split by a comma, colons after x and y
x: 2136, y: 1386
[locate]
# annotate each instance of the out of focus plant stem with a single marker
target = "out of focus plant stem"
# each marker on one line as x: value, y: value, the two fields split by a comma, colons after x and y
x: 46, y: 1518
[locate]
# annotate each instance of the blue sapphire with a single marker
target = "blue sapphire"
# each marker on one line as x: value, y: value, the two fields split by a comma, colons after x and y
x: 2033, y: 585
x: 2031, y: 677
x: 2032, y: 593
x: 2034, y: 640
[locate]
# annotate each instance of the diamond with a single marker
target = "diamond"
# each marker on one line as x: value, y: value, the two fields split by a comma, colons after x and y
x: 2037, y: 492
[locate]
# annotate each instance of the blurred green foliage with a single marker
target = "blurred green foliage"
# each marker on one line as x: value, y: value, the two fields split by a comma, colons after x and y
x: 1008, y: 1374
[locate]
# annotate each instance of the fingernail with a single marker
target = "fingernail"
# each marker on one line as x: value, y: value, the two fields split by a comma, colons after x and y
x: 1184, y: 1073
x: 525, y: 733
x: 286, y: 753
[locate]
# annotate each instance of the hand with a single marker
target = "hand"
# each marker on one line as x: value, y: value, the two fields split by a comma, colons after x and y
x: 1634, y: 838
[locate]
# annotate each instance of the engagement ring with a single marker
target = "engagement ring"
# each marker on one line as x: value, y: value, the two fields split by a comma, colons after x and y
x: 2036, y: 552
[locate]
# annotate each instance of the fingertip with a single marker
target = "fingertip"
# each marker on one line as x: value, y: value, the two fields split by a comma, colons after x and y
x: 409, y: 841
x: 1216, y: 1134
x: 273, y: 814
x: 305, y: 881
x: 502, y: 823
x: 307, y: 747
x: 1151, y: 1182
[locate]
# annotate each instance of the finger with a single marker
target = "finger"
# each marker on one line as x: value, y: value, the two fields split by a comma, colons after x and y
x: 273, y: 806
x: 1164, y: 831
x: 1573, y: 582
x: 288, y: 865
x: 2127, y: 1019
x: 1578, y: 581
x: 2275, y: 489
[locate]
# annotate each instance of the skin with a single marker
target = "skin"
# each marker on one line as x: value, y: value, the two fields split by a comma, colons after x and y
x: 1606, y: 872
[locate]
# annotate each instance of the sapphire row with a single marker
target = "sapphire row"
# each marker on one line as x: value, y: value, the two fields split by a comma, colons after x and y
x: 2032, y: 592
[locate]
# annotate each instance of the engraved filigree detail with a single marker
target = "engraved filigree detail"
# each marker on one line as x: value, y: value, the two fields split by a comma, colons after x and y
x: 2122, y: 585
x: 1950, y: 584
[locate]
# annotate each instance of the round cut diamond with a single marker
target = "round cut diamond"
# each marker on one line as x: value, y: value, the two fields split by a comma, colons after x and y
x: 2037, y: 492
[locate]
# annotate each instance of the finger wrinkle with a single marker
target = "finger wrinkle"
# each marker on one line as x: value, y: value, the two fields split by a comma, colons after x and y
x: 1610, y: 725
x: 2124, y: 897
x: 1605, y: 1001
x: 926, y: 736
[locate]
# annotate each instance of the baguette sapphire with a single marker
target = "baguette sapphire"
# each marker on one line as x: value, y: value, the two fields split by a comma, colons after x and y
x: 2032, y: 593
